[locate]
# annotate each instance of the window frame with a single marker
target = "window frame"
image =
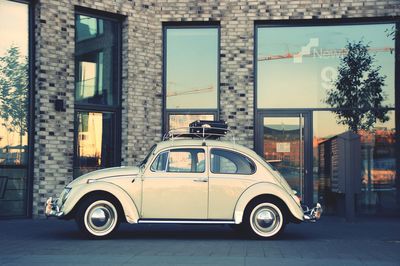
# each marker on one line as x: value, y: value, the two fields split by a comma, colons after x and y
x: 259, y: 112
x: 167, y: 112
x: 30, y: 115
x: 235, y: 152
x: 102, y: 108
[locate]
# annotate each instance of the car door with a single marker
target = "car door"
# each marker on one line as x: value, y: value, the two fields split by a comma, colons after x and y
x: 175, y: 186
x: 230, y: 174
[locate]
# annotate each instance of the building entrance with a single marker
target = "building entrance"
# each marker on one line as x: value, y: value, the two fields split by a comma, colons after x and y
x: 285, y: 141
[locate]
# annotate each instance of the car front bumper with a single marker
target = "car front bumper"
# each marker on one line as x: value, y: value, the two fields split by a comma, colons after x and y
x: 51, y: 208
x: 312, y: 215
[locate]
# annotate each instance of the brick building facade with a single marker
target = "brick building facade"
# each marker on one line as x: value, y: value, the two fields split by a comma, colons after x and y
x: 142, y: 68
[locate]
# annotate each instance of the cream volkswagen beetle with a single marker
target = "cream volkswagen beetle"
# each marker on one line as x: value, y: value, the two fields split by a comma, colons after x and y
x: 185, y: 180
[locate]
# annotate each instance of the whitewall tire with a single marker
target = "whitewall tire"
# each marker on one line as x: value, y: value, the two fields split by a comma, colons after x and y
x: 97, y: 217
x: 265, y: 220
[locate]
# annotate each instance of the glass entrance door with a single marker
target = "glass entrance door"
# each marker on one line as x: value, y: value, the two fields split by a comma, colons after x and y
x: 285, y: 144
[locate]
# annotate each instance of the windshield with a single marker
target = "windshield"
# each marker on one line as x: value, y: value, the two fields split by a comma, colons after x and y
x: 148, y: 156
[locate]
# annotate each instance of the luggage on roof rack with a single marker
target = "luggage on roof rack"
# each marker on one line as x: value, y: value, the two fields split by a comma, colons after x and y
x: 200, y: 129
x: 209, y: 128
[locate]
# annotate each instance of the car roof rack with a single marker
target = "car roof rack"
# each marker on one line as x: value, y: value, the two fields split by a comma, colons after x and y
x: 205, y: 131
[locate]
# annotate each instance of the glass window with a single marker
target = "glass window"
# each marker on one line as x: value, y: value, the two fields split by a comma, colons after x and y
x: 160, y: 163
x: 144, y: 162
x: 95, y: 142
x: 97, y: 90
x: 378, y: 163
x: 14, y: 93
x: 283, y: 144
x: 183, y: 120
x: 191, y: 68
x: 298, y: 66
x: 96, y: 62
x: 180, y: 160
x: 227, y: 162
x: 88, y: 27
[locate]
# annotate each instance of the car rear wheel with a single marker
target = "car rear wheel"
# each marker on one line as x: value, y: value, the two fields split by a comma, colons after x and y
x: 265, y: 219
x: 97, y: 217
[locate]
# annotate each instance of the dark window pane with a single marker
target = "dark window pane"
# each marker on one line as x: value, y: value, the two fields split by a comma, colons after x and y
x: 227, y: 162
x: 378, y: 164
x: 183, y: 120
x: 96, y: 62
x: 186, y: 160
x: 297, y: 66
x: 191, y: 68
x: 14, y: 92
x: 95, y: 142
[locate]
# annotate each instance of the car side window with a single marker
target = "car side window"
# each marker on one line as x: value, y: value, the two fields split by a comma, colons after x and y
x: 228, y: 162
x: 160, y: 163
x: 180, y: 160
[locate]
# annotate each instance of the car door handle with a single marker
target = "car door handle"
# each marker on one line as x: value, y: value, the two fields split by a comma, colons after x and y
x: 200, y: 180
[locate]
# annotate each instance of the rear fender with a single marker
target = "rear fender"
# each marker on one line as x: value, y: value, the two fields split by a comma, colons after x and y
x: 266, y: 189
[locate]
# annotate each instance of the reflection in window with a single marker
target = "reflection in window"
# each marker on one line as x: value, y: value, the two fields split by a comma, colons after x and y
x: 310, y: 56
x: 378, y: 164
x: 14, y: 92
x: 227, y: 162
x: 186, y: 160
x: 183, y: 120
x: 284, y: 146
x: 96, y: 93
x: 95, y: 142
x: 160, y: 163
x: 88, y: 27
x: 96, y: 64
x: 191, y: 68
x: 90, y: 79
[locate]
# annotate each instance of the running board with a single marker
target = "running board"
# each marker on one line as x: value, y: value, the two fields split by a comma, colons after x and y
x: 152, y: 221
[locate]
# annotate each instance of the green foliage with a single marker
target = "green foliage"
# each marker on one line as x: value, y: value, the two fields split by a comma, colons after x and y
x: 14, y: 91
x: 391, y: 33
x: 358, y: 94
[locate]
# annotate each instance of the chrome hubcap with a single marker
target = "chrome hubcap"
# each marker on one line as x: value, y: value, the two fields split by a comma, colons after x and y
x: 100, y: 218
x: 266, y: 219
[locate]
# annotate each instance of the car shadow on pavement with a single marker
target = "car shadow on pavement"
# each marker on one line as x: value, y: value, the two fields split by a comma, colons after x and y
x: 170, y: 232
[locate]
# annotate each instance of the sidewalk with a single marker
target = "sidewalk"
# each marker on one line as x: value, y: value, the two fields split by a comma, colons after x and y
x: 331, y: 241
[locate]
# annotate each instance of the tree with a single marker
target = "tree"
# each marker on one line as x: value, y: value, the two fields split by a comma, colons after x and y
x: 392, y: 32
x: 14, y: 91
x: 357, y: 92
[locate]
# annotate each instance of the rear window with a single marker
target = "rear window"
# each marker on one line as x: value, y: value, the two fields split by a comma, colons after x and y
x: 229, y: 162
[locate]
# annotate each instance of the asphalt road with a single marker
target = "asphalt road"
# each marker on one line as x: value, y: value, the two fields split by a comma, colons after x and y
x: 331, y: 241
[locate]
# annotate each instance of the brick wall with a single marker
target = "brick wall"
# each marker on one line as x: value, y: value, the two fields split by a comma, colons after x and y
x: 142, y: 69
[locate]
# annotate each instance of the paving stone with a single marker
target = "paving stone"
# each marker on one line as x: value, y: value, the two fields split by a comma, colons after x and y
x: 327, y: 242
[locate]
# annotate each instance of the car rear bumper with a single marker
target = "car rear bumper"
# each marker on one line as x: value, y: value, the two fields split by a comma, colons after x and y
x: 51, y: 208
x: 312, y: 215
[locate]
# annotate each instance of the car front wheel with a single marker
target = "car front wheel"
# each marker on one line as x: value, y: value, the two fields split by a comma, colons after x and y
x: 97, y: 217
x: 265, y: 219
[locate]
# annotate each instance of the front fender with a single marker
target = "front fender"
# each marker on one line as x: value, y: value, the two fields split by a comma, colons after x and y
x: 128, y: 205
x: 265, y: 188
